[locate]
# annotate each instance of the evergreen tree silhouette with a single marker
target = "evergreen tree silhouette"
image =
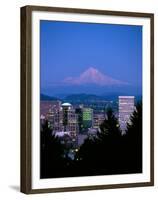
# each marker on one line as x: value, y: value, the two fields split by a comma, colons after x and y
x: 52, y: 153
x: 110, y: 126
x: 113, y: 153
x: 110, y: 143
x: 133, y: 138
x: 100, y: 155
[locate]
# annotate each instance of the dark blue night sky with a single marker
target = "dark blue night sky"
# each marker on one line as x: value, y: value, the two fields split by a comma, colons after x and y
x: 67, y: 49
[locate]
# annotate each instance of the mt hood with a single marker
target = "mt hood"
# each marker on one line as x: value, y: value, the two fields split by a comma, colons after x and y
x: 93, y: 76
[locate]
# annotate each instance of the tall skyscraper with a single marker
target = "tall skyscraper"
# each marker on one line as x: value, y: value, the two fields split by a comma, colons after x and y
x: 126, y: 108
x: 66, y: 107
x: 69, y: 119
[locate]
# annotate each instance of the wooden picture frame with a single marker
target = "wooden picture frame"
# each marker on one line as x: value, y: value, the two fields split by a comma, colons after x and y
x: 27, y: 104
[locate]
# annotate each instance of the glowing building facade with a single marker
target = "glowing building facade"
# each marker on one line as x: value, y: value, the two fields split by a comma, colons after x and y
x: 87, y: 116
x: 126, y: 108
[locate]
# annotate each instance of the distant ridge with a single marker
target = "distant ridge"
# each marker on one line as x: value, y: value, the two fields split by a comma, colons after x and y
x: 44, y: 97
x: 83, y: 97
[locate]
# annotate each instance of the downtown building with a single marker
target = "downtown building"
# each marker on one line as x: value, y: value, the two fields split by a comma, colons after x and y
x: 47, y: 106
x: 69, y: 119
x: 87, y: 117
x: 63, y: 121
x: 126, y: 108
x: 85, y: 123
x: 84, y: 118
x: 49, y: 110
x: 98, y: 119
x: 54, y: 116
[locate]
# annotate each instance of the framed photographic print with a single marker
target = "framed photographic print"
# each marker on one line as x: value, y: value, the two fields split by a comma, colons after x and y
x: 87, y: 99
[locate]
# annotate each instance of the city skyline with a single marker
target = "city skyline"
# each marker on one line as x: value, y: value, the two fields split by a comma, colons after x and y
x: 111, y: 52
x: 76, y: 122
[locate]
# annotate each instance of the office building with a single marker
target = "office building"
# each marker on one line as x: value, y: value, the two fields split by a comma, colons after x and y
x: 69, y: 118
x: 98, y: 119
x: 48, y: 106
x: 87, y: 116
x: 54, y: 116
x: 79, y: 119
x: 126, y: 108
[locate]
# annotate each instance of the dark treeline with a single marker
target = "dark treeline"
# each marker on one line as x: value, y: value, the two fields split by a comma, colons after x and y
x: 108, y: 153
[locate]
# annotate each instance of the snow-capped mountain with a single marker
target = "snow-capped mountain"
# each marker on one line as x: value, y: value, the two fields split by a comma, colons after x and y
x: 93, y: 76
